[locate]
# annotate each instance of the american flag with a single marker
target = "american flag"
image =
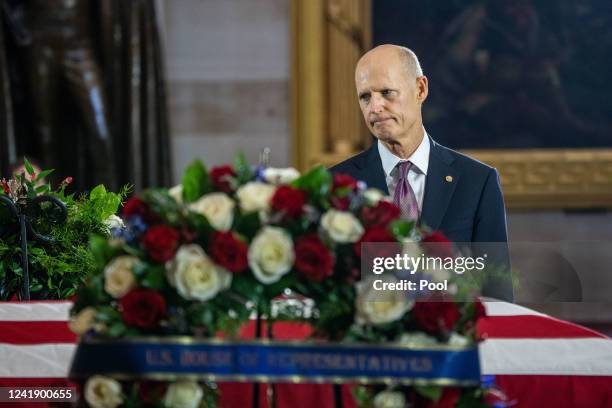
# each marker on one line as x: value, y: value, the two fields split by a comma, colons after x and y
x: 539, y: 361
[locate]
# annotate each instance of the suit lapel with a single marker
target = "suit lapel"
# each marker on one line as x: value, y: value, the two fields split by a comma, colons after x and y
x: 372, y: 171
x: 438, y: 191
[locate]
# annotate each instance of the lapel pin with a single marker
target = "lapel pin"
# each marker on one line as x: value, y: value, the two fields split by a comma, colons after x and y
x: 449, y: 179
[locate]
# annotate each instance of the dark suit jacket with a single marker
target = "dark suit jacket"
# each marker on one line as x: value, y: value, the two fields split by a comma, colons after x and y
x: 470, y: 208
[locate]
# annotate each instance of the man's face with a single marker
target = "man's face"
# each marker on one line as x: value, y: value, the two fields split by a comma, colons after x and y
x: 389, y: 97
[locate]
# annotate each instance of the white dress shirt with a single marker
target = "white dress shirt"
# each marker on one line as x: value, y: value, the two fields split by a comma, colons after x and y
x: 417, y: 174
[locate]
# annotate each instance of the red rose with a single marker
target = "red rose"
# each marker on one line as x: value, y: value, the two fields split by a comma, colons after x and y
x: 160, y: 242
x: 374, y: 234
x: 344, y: 181
x: 340, y: 203
x: 151, y: 391
x: 436, y: 244
x: 289, y: 201
x: 142, y: 308
x: 5, y: 187
x: 222, y: 178
x: 380, y: 215
x: 228, y: 251
x: 313, y: 259
x: 449, y: 398
x: 437, y: 317
x: 135, y: 206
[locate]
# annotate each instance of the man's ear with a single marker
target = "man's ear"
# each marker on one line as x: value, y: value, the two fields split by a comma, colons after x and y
x: 422, y: 88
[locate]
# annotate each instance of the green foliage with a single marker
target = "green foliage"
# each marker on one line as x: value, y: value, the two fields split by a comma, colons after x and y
x: 402, y: 228
x: 317, y: 183
x: 196, y: 181
x: 242, y: 168
x: 58, y: 268
x: 431, y: 392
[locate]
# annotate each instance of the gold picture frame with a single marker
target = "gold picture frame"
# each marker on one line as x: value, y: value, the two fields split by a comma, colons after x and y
x: 327, y: 38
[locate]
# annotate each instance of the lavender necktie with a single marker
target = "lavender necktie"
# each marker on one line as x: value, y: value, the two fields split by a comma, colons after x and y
x: 404, y: 196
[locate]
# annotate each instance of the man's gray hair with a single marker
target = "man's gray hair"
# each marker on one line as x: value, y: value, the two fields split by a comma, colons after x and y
x: 411, y: 61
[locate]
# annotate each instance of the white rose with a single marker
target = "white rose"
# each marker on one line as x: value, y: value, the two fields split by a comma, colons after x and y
x: 380, y: 306
x: 114, y: 221
x: 194, y: 275
x: 374, y: 195
x: 184, y: 394
x: 82, y: 321
x: 255, y: 196
x: 103, y: 392
x: 176, y: 192
x: 118, y: 275
x: 342, y: 226
x: 458, y: 340
x: 279, y: 176
x: 218, y: 209
x: 389, y: 399
x: 271, y: 254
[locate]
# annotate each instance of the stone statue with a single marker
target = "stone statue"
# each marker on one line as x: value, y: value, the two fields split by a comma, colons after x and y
x: 82, y: 90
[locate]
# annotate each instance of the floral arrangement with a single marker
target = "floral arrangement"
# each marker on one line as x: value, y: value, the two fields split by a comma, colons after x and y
x: 202, y: 257
x: 58, y: 267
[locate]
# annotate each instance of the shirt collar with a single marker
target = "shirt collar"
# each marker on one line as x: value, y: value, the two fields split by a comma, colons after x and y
x: 420, y: 157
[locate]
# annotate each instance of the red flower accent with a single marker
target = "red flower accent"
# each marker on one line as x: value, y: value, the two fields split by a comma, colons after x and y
x: 67, y: 180
x: 160, y: 242
x: 340, y: 203
x: 289, y: 201
x: 436, y: 317
x: 221, y: 178
x: 151, y: 391
x: 380, y: 215
x: 436, y: 244
x: 5, y: 187
x: 374, y: 234
x: 136, y: 207
x: 449, y: 398
x: 143, y: 308
x: 228, y: 251
x: 313, y: 259
x: 344, y: 181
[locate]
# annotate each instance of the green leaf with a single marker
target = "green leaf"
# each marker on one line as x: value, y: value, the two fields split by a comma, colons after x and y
x: 196, y: 182
x: 98, y: 192
x: 43, y: 174
x: 154, y: 278
x: 317, y: 182
x: 116, y: 329
x: 432, y: 392
x: 100, y: 250
x: 28, y: 166
x: 45, y: 188
x: 242, y: 169
x: 402, y: 228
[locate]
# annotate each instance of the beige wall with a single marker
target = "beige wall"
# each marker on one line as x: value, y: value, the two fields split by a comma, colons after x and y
x: 228, y: 78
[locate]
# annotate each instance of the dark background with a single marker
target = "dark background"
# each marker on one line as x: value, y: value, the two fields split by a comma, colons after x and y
x: 509, y: 73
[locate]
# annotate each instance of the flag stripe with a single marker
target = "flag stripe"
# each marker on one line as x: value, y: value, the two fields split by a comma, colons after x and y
x: 31, y: 361
x: 36, y: 332
x: 546, y: 356
x: 35, y: 311
x: 532, y: 327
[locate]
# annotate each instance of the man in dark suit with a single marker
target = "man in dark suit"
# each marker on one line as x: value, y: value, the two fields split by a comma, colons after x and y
x: 444, y: 189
